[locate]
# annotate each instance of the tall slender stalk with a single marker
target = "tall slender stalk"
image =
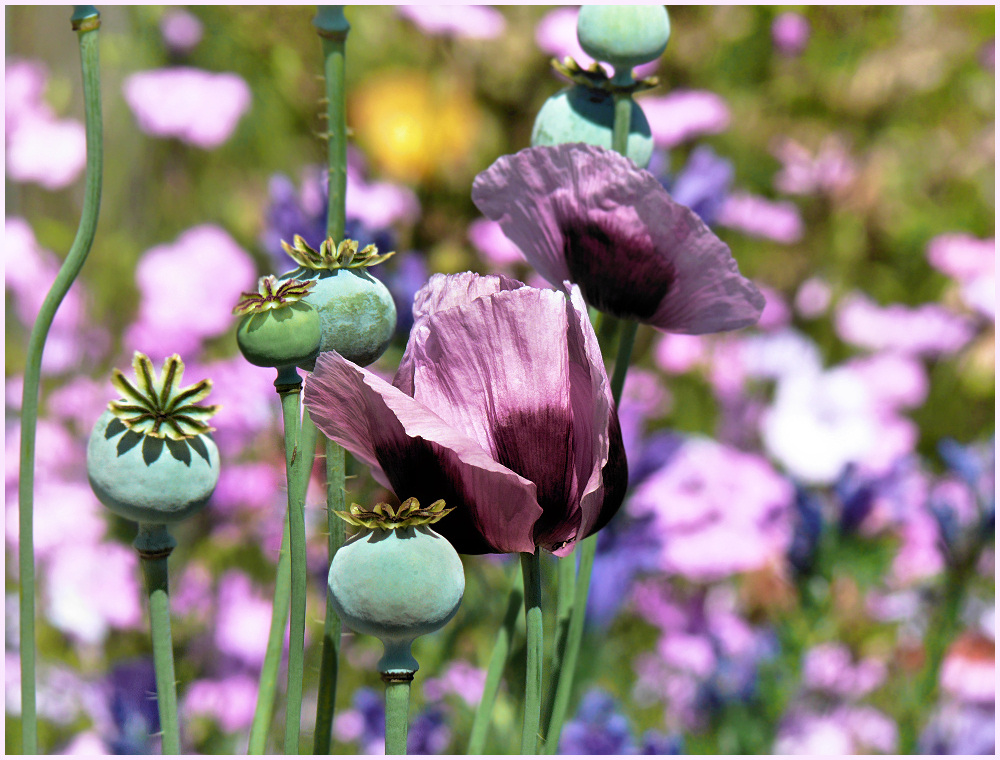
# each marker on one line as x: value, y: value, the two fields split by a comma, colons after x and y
x: 588, y: 547
x: 531, y: 570
x: 86, y: 21
x: 154, y: 544
x: 299, y: 482
x: 272, y: 655
x: 397, y: 708
x: 333, y: 28
x: 498, y: 661
x: 565, y: 592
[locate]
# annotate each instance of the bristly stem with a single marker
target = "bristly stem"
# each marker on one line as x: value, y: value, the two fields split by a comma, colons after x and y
x: 588, y: 547
x: 397, y: 708
x: 329, y: 665
x: 272, y: 655
x: 86, y: 21
x: 498, y: 662
x: 333, y: 28
x: 531, y: 570
x: 154, y: 544
x: 298, y: 483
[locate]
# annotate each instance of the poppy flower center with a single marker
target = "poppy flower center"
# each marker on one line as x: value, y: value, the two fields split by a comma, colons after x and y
x: 618, y: 270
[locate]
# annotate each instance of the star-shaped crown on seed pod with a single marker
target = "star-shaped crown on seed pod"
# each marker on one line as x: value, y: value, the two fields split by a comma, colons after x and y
x: 333, y: 255
x: 158, y: 406
x: 271, y: 295
x: 596, y: 77
x: 406, y: 515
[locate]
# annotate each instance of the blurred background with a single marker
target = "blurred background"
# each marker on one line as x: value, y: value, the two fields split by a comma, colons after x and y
x: 805, y: 560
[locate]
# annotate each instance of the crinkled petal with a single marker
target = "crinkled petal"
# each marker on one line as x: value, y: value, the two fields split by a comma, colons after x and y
x: 423, y: 456
x: 589, y: 215
x: 498, y: 368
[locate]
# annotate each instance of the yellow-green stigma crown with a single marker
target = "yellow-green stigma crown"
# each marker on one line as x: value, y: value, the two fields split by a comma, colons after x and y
x: 333, y: 255
x: 158, y: 406
x: 594, y: 76
x: 271, y: 295
x: 406, y: 515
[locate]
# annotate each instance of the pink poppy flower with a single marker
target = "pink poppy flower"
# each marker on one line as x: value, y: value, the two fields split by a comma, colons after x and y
x: 195, y: 106
x: 927, y: 330
x: 475, y: 22
x: 684, y: 114
x: 762, y: 218
x: 588, y: 215
x: 501, y: 407
x: 790, y: 33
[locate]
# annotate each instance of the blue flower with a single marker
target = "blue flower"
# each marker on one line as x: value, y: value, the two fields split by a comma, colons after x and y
x: 132, y: 700
x: 597, y: 729
x: 625, y: 548
x: 702, y: 185
x: 807, y: 527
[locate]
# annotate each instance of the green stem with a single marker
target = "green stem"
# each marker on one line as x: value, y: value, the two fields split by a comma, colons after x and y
x: 154, y: 544
x: 299, y: 481
x: 626, y: 342
x: 566, y: 588
x: 86, y: 21
x: 622, y: 125
x: 498, y: 662
x: 333, y: 29
x: 327, y: 699
x: 531, y: 571
x: 397, y: 708
x: 272, y: 655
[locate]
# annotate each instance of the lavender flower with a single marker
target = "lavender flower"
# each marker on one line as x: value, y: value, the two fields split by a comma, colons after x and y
x: 474, y: 22
x: 588, y: 215
x: 790, y: 33
x: 597, y: 729
x: 625, y: 548
x: 928, y: 330
x: 684, y: 114
x: 181, y: 30
x: 960, y: 729
x: 530, y: 465
x: 759, y: 217
x: 132, y: 700
x: 703, y: 184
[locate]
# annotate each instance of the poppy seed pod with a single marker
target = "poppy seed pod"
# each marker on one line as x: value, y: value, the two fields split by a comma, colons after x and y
x: 397, y: 579
x: 278, y: 328
x: 150, y: 458
x: 623, y: 35
x: 356, y: 311
x: 587, y: 115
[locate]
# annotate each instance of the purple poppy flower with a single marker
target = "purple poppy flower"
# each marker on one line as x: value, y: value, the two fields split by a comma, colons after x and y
x: 598, y: 729
x: 500, y: 406
x: 590, y: 216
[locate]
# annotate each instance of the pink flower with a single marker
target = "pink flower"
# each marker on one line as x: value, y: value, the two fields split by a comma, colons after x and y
x: 928, y: 330
x: 531, y: 465
x: 374, y: 204
x: 682, y: 115
x: 776, y: 313
x: 759, y: 217
x: 790, y: 33
x: 195, y: 106
x: 247, y: 486
x: 24, y: 89
x: 230, y: 701
x: 181, y: 30
x: 972, y: 263
x: 589, y: 216
x: 829, y: 667
x: 813, y: 298
x: 678, y: 354
x: 243, y: 619
x: 720, y: 511
x: 475, y: 22
x: 460, y: 678
x: 895, y: 380
x: 556, y: 35
x: 969, y: 669
x: 829, y: 171
x: 488, y: 238
x: 174, y: 315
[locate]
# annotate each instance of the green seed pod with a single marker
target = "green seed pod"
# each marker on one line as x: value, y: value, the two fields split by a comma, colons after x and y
x: 278, y: 328
x: 586, y: 114
x: 623, y: 35
x: 356, y: 311
x: 150, y: 457
x: 396, y: 579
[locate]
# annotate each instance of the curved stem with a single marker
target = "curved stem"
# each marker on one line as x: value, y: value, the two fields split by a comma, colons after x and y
x: 498, y: 662
x: 299, y: 481
x: 397, y: 708
x: 531, y: 570
x: 272, y: 655
x: 327, y: 699
x: 86, y: 21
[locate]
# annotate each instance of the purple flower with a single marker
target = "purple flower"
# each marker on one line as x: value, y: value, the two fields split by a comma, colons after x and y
x: 830, y: 668
x: 830, y: 171
x: 429, y: 733
x: 960, y: 729
x: 625, y: 548
x: 134, y: 713
x: 813, y: 298
x: 494, y: 246
x: 928, y: 330
x: 597, y: 729
x: 758, y: 217
x: 703, y: 184
x: 195, y: 106
x: 684, y: 114
x: 790, y: 33
x: 230, y: 700
x: 364, y: 723
x: 475, y: 22
x: 589, y: 216
x: 500, y: 406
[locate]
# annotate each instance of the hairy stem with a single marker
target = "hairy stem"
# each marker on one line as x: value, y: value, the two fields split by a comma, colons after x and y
x: 86, y: 21
x: 531, y: 571
x: 498, y: 662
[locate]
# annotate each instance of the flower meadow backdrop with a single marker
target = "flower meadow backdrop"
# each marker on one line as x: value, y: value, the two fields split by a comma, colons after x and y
x: 804, y: 558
